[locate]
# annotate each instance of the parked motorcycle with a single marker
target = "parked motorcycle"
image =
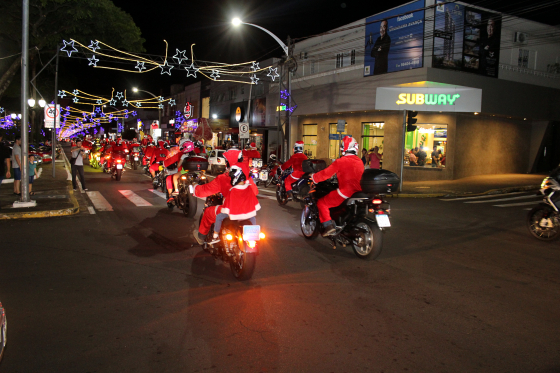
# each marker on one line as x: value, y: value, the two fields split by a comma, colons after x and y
x: 117, y: 166
x: 543, y: 221
x: 360, y: 219
x: 238, y: 245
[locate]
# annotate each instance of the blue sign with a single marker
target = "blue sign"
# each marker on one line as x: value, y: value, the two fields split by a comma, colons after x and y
x: 337, y: 136
x: 394, y: 40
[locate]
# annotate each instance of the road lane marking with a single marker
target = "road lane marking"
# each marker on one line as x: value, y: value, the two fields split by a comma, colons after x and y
x: 135, y: 198
x: 100, y: 203
x: 519, y: 204
x: 267, y: 197
x: 504, y: 199
x: 267, y: 191
x: 480, y: 197
x: 158, y: 193
x: 91, y: 210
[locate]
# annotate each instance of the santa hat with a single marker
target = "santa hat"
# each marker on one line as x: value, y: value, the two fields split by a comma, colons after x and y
x: 233, y: 156
x: 298, y: 146
x: 349, y: 144
x: 253, y: 145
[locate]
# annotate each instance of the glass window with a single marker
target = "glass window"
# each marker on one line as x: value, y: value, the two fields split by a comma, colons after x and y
x: 431, y: 141
x: 372, y: 136
x: 310, y: 140
x: 335, y: 140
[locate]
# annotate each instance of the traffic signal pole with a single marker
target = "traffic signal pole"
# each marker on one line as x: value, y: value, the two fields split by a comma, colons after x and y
x: 405, y: 116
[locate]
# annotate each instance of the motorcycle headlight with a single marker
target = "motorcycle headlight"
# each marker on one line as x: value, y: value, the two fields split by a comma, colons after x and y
x: 547, y: 183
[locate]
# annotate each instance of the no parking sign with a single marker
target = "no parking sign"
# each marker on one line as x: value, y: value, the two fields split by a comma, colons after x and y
x: 50, y: 114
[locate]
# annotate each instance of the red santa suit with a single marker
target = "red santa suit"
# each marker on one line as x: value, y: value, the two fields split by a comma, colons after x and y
x: 221, y: 184
x: 348, y: 170
x: 159, y: 155
x: 295, y: 162
x: 241, y: 203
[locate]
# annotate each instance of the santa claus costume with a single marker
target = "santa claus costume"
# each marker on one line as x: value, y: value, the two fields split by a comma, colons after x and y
x: 295, y: 162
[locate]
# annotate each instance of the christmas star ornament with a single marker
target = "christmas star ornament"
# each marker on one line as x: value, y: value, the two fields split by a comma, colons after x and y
x: 160, y: 99
x: 165, y: 68
x: 180, y: 56
x: 254, y: 79
x: 1, y: 109
x: 98, y: 109
x: 140, y: 66
x: 99, y: 102
x: 68, y: 48
x: 215, y: 75
x: 255, y: 66
x: 134, y: 113
x: 125, y: 103
x: 75, y: 100
x: 61, y: 94
x: 94, y: 45
x: 93, y: 61
x: 160, y: 106
x: 191, y: 70
x: 138, y: 104
x: 171, y: 102
x: 75, y: 92
x: 119, y: 95
x: 273, y: 73
x: 112, y: 102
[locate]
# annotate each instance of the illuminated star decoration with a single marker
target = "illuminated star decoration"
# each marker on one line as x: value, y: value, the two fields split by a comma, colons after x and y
x: 1, y: 109
x: 98, y: 102
x: 165, y: 68
x: 160, y: 106
x: 94, y: 45
x: 273, y: 73
x: 171, y: 102
x: 67, y: 50
x: 125, y: 103
x: 138, y: 104
x: 140, y: 66
x: 75, y: 100
x: 134, y: 113
x: 75, y: 92
x: 160, y: 99
x: 112, y: 102
x: 191, y: 70
x: 215, y: 74
x: 254, y: 79
x: 61, y: 94
x: 180, y: 56
x: 93, y: 61
x: 98, y: 109
x: 255, y: 66
x: 119, y: 95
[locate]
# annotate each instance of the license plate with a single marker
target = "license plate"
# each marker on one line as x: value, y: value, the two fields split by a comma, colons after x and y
x: 251, y: 232
x: 191, y: 189
x: 119, y: 167
x: 383, y: 220
x: 264, y: 176
x: 135, y: 158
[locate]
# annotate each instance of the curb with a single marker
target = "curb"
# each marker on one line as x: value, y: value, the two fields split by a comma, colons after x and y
x: 488, y: 192
x: 47, y: 213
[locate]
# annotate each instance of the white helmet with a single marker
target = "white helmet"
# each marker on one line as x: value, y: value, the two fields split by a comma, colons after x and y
x: 298, y: 147
x: 349, y: 145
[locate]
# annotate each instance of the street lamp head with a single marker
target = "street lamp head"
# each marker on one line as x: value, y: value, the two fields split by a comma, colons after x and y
x: 215, y: 116
x: 236, y: 21
x: 19, y: 116
x: 31, y: 102
x: 13, y: 115
x: 134, y: 89
x: 42, y: 103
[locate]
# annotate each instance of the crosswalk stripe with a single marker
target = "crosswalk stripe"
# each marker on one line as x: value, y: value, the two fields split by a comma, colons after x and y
x: 135, y: 198
x: 504, y: 199
x: 91, y: 210
x: 480, y: 197
x: 518, y: 204
x: 158, y: 193
x: 99, y: 201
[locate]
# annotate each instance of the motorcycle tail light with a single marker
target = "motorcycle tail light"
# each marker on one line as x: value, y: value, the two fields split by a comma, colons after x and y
x: 262, y: 236
x: 229, y: 237
x: 108, y: 157
x: 252, y: 244
x: 118, y: 161
x: 183, y: 177
x: 203, y: 177
x: 371, y: 210
x: 218, y: 160
x: 377, y: 201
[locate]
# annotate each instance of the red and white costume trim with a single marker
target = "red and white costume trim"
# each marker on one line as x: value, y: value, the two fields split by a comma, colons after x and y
x: 241, y: 203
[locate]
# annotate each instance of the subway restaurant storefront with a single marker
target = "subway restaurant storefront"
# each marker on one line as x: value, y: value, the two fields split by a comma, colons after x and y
x: 451, y: 135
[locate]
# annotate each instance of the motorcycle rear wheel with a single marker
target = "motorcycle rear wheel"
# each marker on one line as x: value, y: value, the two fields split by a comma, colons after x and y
x: 281, y: 197
x: 268, y: 182
x: 310, y: 229
x: 190, y: 210
x: 135, y: 165
x: 543, y: 223
x: 244, y: 268
x: 370, y: 242
x: 118, y: 175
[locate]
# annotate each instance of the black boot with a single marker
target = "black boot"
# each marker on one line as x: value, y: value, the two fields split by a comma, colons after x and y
x: 290, y: 195
x: 329, y: 228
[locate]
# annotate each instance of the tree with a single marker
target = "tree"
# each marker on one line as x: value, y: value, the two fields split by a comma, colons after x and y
x: 51, y: 21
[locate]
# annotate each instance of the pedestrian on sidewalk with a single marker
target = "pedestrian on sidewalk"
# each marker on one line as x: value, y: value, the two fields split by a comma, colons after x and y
x: 5, y: 162
x: 375, y: 158
x: 16, y: 164
x: 77, y: 162
x: 32, y: 173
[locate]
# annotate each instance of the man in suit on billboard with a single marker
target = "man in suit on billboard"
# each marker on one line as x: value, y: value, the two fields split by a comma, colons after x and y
x: 380, y: 50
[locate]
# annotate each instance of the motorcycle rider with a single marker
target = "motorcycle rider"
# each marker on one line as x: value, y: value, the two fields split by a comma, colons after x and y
x: 241, y: 204
x: 295, y: 162
x: 348, y: 169
x: 159, y: 155
x: 185, y: 148
x: 221, y: 184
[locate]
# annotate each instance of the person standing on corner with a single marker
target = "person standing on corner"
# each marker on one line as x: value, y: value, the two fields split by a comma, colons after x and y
x: 77, y: 162
x: 5, y: 162
x: 16, y: 164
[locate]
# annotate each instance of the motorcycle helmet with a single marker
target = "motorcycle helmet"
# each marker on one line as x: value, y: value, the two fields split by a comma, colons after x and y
x: 236, y: 175
x: 186, y: 146
x: 298, y: 147
x: 272, y: 158
x: 349, y: 145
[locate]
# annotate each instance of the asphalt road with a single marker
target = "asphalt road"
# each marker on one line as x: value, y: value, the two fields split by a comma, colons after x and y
x: 459, y: 287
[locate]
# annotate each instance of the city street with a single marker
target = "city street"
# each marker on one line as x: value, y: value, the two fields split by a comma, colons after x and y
x: 459, y: 287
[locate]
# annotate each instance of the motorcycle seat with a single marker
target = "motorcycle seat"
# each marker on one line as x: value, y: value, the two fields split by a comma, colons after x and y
x: 358, y: 196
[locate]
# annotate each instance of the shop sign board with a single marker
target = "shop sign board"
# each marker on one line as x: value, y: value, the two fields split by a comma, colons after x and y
x: 340, y: 125
x: 51, y: 114
x: 452, y: 99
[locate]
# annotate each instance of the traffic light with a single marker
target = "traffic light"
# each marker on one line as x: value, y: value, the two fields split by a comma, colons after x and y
x: 411, y: 120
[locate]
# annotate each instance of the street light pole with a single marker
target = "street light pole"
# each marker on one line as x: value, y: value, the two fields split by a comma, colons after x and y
x: 24, y: 109
x: 134, y: 89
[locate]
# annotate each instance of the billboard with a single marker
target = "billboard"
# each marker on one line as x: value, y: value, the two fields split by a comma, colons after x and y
x: 394, y: 40
x: 466, y: 39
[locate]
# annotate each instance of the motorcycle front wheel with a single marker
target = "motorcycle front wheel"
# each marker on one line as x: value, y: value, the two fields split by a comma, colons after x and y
x: 309, y: 226
x: 268, y: 182
x: 369, y: 242
x: 281, y: 195
x: 243, y: 268
x: 543, y: 223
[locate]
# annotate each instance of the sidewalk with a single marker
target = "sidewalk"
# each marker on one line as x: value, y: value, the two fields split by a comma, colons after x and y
x: 474, y: 185
x: 54, y: 196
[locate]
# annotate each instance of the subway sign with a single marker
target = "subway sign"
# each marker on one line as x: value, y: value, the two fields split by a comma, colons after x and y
x: 447, y: 98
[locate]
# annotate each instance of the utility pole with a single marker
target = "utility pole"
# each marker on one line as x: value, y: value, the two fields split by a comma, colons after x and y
x: 25, y: 202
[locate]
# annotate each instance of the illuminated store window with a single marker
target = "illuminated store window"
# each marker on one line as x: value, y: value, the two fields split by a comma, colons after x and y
x: 372, y: 136
x: 425, y: 138
x: 310, y: 140
x: 334, y: 140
